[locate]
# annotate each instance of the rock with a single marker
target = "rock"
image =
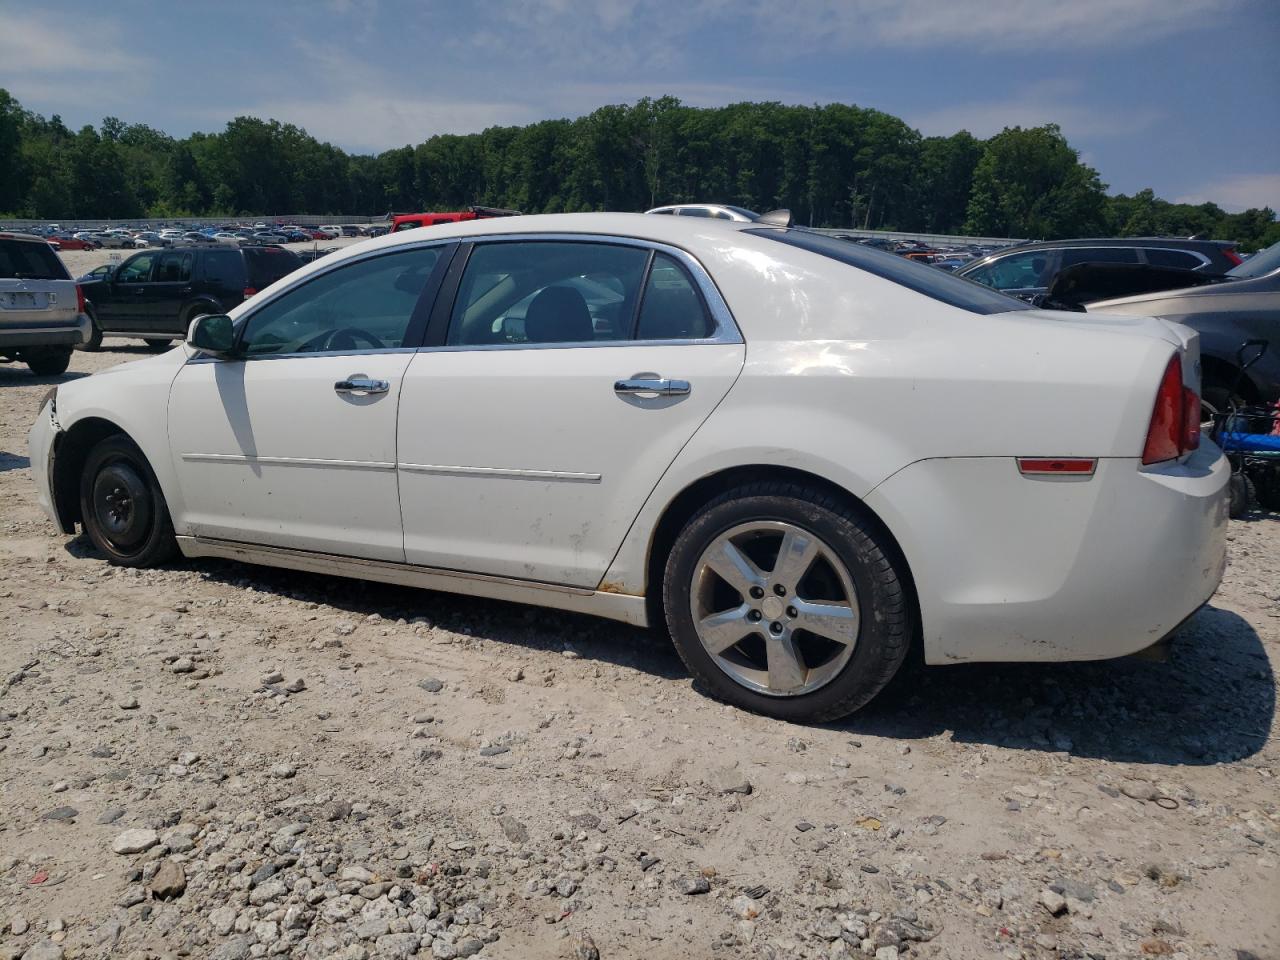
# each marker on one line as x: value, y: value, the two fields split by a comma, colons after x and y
x: 1055, y: 903
x: 182, y: 665
x: 275, y: 676
x: 295, y: 686
x: 690, y: 886
x: 358, y: 873
x: 399, y: 946
x: 431, y: 685
x: 132, y: 896
x: 744, y: 907
x: 222, y: 920
x: 728, y: 780
x: 61, y: 813
x: 282, y: 771
x: 264, y: 893
x: 169, y: 882
x: 493, y: 751
x: 886, y: 953
x: 584, y: 948
x: 134, y: 841
x: 111, y: 815
x: 236, y: 948
x: 513, y: 829
x: 18, y: 925
x: 128, y: 703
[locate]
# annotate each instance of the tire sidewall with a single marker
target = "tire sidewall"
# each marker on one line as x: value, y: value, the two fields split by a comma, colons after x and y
x: 159, y: 542
x: 877, y: 654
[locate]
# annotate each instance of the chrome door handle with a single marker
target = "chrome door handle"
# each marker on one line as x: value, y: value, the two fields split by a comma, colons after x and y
x: 361, y: 386
x: 661, y: 388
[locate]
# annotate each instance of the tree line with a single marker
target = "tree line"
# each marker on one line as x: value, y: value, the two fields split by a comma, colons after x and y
x: 836, y: 165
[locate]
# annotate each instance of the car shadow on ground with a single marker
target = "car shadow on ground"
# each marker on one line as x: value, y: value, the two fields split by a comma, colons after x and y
x: 13, y: 461
x: 17, y: 375
x: 1212, y: 702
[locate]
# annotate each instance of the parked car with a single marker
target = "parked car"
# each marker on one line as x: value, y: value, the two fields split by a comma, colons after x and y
x: 802, y: 455
x: 68, y: 242
x: 1245, y: 305
x: 714, y: 211
x: 1026, y: 270
x: 322, y: 235
x: 41, y: 308
x: 411, y: 221
x: 155, y: 295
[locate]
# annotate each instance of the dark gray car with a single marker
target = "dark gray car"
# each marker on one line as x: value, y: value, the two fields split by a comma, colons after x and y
x: 1026, y: 270
x: 1243, y: 306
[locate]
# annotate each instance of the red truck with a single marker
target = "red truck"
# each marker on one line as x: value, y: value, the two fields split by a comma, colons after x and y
x: 411, y: 221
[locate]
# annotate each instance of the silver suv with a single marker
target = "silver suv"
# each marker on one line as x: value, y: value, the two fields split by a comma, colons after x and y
x: 42, y: 312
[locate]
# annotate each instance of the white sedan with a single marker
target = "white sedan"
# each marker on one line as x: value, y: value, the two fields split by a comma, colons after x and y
x: 800, y: 455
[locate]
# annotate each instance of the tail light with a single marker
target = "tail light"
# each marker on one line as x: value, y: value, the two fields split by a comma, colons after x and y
x: 1235, y: 258
x: 249, y: 292
x: 1175, y: 421
x: 79, y: 299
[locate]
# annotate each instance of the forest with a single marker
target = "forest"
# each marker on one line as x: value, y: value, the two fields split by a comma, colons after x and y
x: 835, y: 165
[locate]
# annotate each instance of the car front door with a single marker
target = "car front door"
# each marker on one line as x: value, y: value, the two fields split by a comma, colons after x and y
x: 293, y: 443
x: 1023, y: 274
x: 121, y: 303
x: 560, y: 380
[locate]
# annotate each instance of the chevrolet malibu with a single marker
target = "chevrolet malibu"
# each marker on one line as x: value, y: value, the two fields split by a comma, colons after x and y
x: 799, y: 455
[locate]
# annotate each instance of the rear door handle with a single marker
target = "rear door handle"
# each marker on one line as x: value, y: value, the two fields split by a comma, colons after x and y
x: 657, y: 387
x: 361, y: 386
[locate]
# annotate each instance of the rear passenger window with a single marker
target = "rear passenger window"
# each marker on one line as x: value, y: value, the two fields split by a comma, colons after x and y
x: 1173, y: 258
x: 672, y: 308
x: 174, y: 267
x: 542, y: 292
x: 1074, y: 255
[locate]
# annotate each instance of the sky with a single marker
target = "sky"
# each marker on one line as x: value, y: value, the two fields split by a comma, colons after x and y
x: 1182, y: 96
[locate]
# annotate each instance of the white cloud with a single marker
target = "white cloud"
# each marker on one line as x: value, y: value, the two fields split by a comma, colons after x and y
x: 1238, y: 191
x: 46, y: 63
x: 989, y: 118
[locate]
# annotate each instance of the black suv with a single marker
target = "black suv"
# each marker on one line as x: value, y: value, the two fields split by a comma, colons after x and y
x: 157, y: 293
x: 1027, y: 270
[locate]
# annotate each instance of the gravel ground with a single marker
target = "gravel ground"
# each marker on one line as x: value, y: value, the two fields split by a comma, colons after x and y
x: 215, y: 760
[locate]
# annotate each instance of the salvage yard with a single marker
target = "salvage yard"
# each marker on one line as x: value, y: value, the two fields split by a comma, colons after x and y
x: 215, y: 760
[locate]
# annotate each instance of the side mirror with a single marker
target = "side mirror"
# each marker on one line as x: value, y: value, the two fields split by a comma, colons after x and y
x: 214, y: 335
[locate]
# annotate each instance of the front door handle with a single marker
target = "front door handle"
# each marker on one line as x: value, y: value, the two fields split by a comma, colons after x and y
x: 361, y: 386
x: 649, y: 385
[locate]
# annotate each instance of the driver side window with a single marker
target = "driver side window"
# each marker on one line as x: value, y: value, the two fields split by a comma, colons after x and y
x: 362, y: 306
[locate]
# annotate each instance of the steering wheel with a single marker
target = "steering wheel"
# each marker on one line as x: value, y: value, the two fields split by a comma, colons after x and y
x: 345, y: 338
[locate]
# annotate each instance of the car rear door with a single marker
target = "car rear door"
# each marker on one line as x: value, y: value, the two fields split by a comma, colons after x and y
x: 562, y: 378
x: 170, y: 288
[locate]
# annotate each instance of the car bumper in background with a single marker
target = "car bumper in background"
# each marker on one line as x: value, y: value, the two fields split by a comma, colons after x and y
x: 1015, y: 569
x: 37, y: 335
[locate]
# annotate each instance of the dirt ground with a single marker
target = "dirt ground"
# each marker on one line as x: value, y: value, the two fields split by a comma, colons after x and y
x: 296, y: 765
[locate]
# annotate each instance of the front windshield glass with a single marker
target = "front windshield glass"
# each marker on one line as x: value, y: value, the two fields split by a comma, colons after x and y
x: 1260, y: 264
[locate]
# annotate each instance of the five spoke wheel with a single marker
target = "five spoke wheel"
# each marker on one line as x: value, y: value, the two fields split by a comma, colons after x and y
x: 775, y: 607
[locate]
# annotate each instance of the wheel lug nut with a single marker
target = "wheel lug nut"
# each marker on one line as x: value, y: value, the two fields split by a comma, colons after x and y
x: 779, y: 589
x: 757, y: 593
x: 753, y: 616
x: 792, y: 612
x: 775, y: 627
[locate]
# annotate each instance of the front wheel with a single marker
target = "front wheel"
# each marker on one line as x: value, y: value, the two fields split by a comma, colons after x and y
x: 94, y: 343
x: 157, y: 345
x: 782, y: 600
x: 122, y: 508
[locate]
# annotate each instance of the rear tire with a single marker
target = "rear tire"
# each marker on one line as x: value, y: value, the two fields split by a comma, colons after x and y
x: 157, y: 345
x: 1242, y: 495
x: 47, y: 361
x: 122, y: 507
x: 810, y: 560
x: 94, y: 343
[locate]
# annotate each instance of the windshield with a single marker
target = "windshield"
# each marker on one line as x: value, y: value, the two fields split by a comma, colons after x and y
x: 1260, y: 264
x: 30, y: 260
x: 749, y: 214
x: 920, y: 277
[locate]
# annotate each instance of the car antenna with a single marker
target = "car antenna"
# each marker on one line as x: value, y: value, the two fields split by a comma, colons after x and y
x: 777, y: 218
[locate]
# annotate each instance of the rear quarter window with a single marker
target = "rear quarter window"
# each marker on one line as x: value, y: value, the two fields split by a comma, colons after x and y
x: 269, y: 264
x: 919, y: 277
x: 29, y: 260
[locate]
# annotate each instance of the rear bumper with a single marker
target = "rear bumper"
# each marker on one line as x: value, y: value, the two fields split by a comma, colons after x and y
x: 38, y: 335
x: 1014, y: 569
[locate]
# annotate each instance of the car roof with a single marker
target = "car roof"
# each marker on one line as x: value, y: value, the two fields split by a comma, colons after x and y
x: 1177, y: 243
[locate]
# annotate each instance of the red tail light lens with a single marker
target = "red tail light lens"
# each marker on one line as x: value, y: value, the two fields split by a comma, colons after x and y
x: 249, y: 292
x: 1235, y: 258
x: 1175, y: 421
x: 79, y: 299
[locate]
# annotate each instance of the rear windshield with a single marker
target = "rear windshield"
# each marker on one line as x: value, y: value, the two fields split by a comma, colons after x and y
x: 269, y: 264
x: 30, y: 260
x: 919, y: 277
